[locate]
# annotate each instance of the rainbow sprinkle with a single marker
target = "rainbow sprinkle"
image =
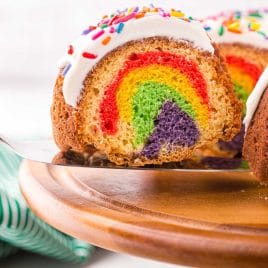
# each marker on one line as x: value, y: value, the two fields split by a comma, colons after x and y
x: 254, y: 26
x: 235, y: 21
x: 255, y: 14
x: 103, y: 26
x: 98, y: 34
x: 90, y: 29
x: 125, y: 18
x: 234, y: 26
x: 70, y: 50
x: 66, y: 69
x: 112, y: 30
x: 207, y: 28
x: 177, y: 14
x: 106, y: 40
x: 221, y: 30
x: 120, y: 27
x: 114, y: 24
x: 89, y: 55
x: 139, y: 15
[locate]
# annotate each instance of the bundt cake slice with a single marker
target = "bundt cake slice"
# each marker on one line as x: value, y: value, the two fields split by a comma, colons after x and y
x: 255, y: 148
x: 242, y: 38
x: 144, y: 86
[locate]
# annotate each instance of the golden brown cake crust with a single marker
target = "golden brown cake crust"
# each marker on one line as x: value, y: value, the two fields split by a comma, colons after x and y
x: 64, y: 121
x: 69, y: 122
x: 255, y: 148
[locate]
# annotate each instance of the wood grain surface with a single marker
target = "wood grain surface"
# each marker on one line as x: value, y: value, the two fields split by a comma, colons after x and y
x: 195, y: 218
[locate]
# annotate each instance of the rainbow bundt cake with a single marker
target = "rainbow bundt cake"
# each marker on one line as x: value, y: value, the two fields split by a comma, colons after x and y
x: 255, y: 148
x: 144, y: 86
x: 242, y: 38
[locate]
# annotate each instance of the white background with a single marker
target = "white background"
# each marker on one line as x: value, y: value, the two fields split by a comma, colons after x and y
x: 34, y: 35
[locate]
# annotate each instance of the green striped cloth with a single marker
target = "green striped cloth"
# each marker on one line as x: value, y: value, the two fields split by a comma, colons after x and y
x: 21, y: 229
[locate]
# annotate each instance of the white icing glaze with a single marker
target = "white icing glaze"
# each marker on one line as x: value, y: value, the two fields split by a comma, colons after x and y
x: 246, y: 36
x: 255, y: 97
x: 153, y: 24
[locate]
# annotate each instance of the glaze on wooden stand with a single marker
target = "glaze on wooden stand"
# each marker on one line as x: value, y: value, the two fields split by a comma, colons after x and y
x: 196, y: 218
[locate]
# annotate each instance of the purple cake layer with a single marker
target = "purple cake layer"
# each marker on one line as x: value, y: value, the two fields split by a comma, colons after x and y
x: 236, y: 144
x: 222, y: 162
x: 173, y: 127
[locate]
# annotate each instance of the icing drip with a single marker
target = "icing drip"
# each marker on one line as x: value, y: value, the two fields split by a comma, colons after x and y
x: 173, y: 127
x: 255, y: 97
x: 96, y: 42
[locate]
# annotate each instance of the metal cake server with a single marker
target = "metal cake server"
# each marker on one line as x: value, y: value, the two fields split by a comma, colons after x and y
x: 37, y: 150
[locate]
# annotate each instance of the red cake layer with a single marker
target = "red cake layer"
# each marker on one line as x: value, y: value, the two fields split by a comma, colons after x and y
x: 251, y: 69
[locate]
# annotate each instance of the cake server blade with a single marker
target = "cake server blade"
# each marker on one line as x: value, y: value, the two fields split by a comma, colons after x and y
x: 42, y: 150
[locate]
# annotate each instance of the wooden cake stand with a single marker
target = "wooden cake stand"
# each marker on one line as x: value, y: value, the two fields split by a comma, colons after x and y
x: 196, y: 218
